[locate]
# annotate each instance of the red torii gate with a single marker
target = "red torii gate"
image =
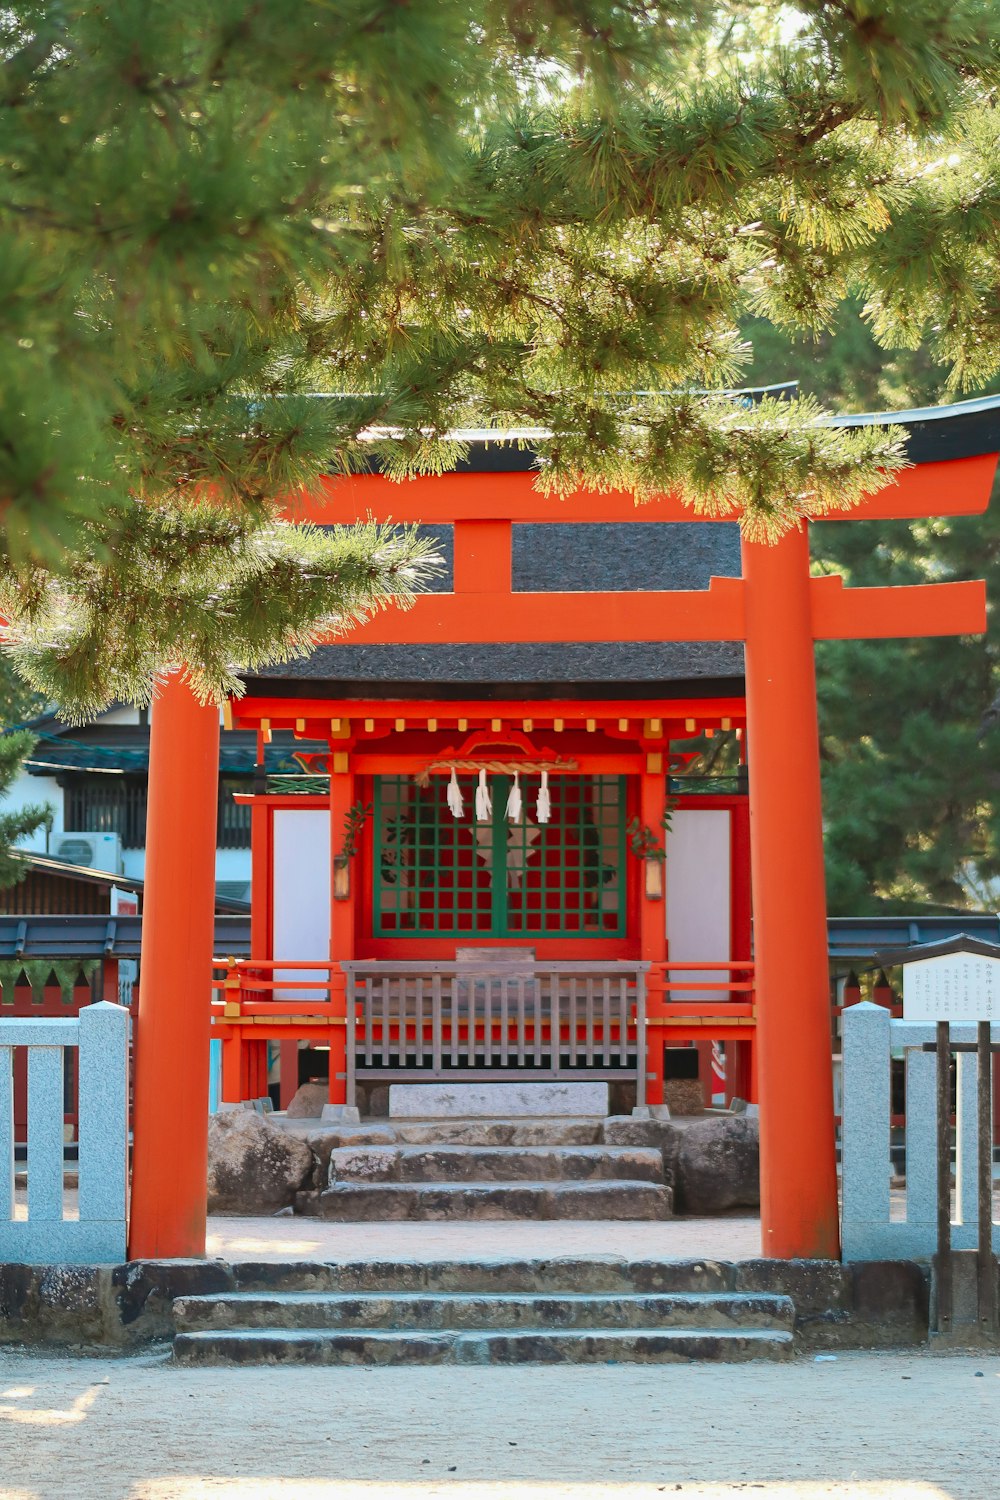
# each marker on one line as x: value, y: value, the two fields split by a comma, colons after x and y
x: 776, y: 608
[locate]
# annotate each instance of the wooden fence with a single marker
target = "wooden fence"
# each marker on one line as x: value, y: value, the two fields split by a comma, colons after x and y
x: 488, y: 1021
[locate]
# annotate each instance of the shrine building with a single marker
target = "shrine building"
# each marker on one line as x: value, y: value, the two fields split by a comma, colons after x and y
x: 558, y: 822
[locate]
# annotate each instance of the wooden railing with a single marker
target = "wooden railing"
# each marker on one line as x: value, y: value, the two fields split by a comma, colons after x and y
x: 272, y: 987
x: 479, y: 1019
x: 704, y: 994
x: 483, y: 1021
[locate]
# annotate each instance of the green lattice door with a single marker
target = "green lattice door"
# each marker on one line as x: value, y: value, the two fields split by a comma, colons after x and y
x: 440, y: 876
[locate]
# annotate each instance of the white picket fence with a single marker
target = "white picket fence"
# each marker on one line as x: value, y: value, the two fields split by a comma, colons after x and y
x: 870, y: 1230
x: 47, y: 1234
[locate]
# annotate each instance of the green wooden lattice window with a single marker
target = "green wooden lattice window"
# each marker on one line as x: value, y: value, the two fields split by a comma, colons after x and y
x: 440, y: 876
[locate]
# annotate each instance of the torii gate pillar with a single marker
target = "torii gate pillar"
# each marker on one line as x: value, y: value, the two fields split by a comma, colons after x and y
x: 170, y: 1154
x: 797, y: 1145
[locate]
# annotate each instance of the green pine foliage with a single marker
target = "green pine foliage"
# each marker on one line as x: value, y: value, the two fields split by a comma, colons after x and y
x: 910, y: 732
x: 14, y: 747
x: 19, y: 703
x: 244, y: 245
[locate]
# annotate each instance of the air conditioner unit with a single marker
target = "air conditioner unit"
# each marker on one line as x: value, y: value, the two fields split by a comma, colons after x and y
x: 97, y: 851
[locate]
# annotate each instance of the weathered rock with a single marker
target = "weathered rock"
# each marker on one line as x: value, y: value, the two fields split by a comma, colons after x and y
x: 307, y: 1101
x: 252, y: 1167
x: 717, y: 1166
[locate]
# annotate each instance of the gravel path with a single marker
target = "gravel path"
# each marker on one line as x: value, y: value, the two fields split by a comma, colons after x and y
x: 895, y: 1427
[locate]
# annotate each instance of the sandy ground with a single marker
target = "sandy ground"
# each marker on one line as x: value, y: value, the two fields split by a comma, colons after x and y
x: 292, y: 1238
x: 313, y: 1239
x: 895, y: 1427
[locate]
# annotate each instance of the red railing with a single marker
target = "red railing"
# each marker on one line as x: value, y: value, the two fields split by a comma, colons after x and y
x: 733, y: 995
x: 259, y: 987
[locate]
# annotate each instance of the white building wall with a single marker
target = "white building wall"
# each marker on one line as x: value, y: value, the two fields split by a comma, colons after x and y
x: 40, y: 790
x: 230, y: 864
x: 698, y: 891
x: 301, y: 890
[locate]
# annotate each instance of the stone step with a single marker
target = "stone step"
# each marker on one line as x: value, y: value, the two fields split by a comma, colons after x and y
x: 379, y: 1202
x: 420, y: 1311
x: 456, y: 1163
x: 536, y: 1346
x: 526, y: 1131
x: 552, y: 1275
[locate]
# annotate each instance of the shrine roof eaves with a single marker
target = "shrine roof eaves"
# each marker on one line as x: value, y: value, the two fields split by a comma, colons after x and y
x: 543, y: 670
x: 960, y: 942
x: 934, y: 434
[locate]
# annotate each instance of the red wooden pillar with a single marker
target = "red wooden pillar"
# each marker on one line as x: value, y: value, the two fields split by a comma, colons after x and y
x: 343, y: 914
x: 739, y: 1060
x: 653, y: 916
x: 169, y: 1158
x: 109, y: 979
x: 795, y: 1070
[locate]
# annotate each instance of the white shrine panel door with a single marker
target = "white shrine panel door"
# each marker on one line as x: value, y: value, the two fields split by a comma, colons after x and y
x: 301, y: 895
x: 699, y: 894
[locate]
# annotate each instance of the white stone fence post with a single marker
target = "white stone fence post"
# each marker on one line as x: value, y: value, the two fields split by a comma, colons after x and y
x: 871, y: 1228
x: 46, y: 1233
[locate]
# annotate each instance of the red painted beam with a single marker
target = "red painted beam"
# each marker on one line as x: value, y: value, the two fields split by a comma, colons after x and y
x: 712, y: 614
x: 843, y: 614
x: 283, y: 712
x: 955, y: 487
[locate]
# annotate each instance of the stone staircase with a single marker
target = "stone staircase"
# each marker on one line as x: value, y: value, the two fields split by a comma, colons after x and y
x: 481, y: 1313
x: 495, y: 1182
x: 487, y: 1169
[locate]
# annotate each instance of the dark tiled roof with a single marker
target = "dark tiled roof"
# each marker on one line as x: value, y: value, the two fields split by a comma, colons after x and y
x: 630, y: 557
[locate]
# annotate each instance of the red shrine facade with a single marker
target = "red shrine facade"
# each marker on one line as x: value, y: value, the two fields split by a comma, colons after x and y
x: 501, y: 835
x: 507, y: 855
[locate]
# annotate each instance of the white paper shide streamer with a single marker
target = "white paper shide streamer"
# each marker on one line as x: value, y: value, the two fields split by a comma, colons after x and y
x: 543, y: 811
x: 514, y: 803
x: 455, y: 804
x: 484, y: 807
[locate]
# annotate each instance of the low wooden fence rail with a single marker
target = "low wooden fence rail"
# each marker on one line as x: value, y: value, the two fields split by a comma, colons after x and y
x: 477, y: 1019
x: 473, y: 1022
x: 46, y: 1233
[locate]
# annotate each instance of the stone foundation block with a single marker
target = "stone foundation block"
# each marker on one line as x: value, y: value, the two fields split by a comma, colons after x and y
x: 425, y: 1101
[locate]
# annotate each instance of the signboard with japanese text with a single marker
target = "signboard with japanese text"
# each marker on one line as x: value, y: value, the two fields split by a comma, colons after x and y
x: 952, y: 987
